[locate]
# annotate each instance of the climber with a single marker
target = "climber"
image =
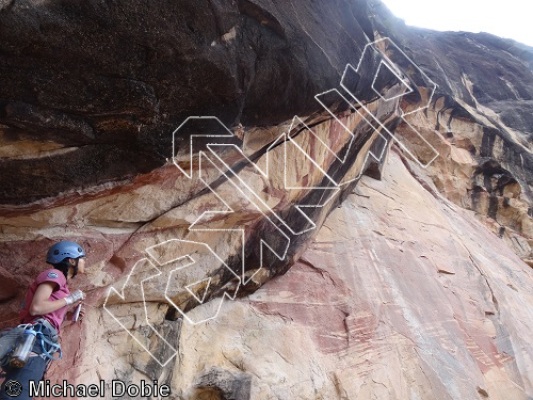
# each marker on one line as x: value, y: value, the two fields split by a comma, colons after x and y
x: 47, y: 301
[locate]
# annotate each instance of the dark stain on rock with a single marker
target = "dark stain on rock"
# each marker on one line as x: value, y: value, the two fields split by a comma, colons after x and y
x: 171, y: 331
x: 495, y: 177
x: 475, y: 195
x: 482, y: 392
x: 493, y: 207
x: 86, y: 166
x: 221, y: 384
x: 487, y: 141
x: 504, y: 181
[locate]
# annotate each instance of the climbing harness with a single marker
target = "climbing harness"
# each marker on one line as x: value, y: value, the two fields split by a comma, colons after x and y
x: 18, y: 344
x: 48, y: 346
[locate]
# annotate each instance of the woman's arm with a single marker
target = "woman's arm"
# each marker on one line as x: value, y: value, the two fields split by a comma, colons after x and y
x: 41, y: 304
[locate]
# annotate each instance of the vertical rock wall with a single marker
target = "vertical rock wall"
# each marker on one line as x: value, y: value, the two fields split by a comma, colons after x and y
x: 264, y: 264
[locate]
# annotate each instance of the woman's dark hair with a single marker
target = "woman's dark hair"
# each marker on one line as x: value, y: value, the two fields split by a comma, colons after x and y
x: 63, y: 266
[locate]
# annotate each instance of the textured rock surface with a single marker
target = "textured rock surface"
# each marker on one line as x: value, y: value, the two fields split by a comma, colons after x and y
x: 373, y: 308
x: 131, y: 72
x: 394, y: 291
x: 483, y: 112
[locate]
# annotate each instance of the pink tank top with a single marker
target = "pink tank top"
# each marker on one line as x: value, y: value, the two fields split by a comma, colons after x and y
x: 60, y: 291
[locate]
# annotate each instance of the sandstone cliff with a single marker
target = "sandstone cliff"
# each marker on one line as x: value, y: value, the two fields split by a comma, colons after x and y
x: 259, y: 256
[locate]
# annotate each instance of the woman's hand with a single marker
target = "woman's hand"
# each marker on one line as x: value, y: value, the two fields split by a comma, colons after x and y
x: 75, y: 297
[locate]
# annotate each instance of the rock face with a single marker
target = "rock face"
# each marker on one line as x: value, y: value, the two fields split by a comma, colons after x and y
x: 374, y: 308
x: 360, y: 264
x: 482, y: 112
x: 131, y: 72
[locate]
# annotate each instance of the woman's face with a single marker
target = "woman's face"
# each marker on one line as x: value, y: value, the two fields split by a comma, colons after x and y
x: 81, y: 265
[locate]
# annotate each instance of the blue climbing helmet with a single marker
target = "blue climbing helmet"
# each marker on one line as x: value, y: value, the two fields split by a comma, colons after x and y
x: 65, y: 249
